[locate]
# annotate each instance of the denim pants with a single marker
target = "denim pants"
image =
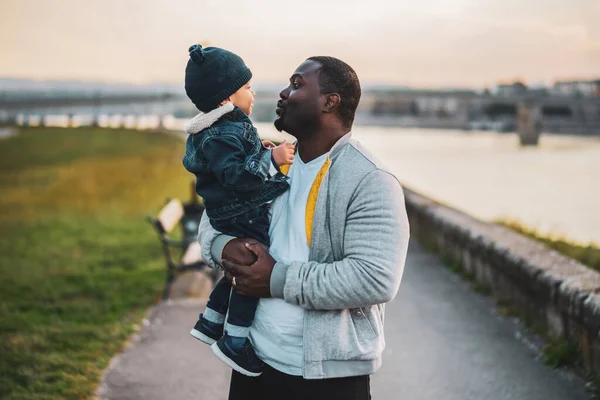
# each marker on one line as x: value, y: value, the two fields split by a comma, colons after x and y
x: 255, y: 225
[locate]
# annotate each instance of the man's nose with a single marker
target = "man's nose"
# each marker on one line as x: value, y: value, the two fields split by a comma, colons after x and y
x: 284, y: 93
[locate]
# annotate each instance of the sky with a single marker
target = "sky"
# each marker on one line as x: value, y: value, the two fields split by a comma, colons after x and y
x: 426, y: 43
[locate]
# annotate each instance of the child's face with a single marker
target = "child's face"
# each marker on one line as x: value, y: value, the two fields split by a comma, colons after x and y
x: 244, y: 98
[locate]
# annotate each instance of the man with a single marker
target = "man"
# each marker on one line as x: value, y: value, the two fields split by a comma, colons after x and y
x: 339, y: 239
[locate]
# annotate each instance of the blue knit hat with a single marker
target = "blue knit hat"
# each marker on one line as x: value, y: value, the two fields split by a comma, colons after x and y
x: 212, y: 75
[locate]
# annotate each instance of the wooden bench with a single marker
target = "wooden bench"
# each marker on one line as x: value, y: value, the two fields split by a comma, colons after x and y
x: 182, y: 254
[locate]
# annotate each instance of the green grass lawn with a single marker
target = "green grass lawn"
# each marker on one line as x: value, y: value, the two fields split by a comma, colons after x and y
x: 588, y: 255
x: 79, y: 265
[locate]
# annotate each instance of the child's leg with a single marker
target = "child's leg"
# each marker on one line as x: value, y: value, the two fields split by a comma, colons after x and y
x: 209, y: 327
x: 241, y: 314
x: 218, y: 302
x: 234, y: 347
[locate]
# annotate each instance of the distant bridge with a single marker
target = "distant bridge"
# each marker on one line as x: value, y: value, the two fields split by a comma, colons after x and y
x: 65, y: 100
x: 22, y: 108
x: 528, y: 113
x: 468, y: 110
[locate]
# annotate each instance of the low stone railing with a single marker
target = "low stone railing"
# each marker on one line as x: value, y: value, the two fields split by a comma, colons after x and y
x: 555, y: 292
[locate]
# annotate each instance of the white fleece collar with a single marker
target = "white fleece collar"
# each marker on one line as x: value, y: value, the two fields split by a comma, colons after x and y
x: 204, y: 120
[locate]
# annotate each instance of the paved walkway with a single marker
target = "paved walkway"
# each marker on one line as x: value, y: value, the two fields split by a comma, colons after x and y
x: 444, y: 342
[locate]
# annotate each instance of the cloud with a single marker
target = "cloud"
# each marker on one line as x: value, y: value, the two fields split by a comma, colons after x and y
x: 437, y: 42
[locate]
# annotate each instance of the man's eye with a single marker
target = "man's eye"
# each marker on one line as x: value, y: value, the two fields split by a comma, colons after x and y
x: 295, y: 84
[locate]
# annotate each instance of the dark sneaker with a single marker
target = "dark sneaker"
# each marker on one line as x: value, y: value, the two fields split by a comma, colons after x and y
x: 206, y: 331
x: 238, y: 353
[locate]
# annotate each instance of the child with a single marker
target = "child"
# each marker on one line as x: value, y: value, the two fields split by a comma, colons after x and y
x: 237, y: 177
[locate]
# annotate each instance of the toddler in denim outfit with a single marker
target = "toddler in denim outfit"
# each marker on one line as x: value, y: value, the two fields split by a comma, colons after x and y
x: 237, y: 176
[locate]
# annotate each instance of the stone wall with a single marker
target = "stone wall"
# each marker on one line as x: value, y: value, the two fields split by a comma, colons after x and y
x: 556, y: 292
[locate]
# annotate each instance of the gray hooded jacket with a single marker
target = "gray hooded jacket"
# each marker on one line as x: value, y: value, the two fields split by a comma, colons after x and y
x: 358, y: 248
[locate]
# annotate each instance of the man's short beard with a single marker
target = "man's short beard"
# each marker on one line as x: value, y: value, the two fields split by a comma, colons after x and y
x: 278, y: 124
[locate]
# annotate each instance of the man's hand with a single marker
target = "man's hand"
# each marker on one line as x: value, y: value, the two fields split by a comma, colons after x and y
x: 253, y: 280
x: 235, y: 250
x: 284, y: 154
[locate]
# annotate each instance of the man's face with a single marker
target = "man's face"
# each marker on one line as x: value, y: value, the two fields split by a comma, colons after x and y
x: 299, y: 110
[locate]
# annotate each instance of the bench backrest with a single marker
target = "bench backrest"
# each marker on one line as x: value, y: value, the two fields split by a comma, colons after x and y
x: 169, y: 216
x: 173, y: 214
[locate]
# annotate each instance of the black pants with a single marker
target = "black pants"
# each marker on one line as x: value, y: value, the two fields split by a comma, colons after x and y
x: 275, y: 385
x: 255, y: 225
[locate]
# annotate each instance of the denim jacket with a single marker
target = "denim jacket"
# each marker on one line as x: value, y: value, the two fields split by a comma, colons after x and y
x: 233, y: 169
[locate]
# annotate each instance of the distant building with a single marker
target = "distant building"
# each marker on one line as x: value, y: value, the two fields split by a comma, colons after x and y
x: 577, y: 88
x: 512, y: 89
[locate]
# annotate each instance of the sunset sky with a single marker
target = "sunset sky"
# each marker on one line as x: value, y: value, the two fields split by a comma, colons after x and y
x: 427, y: 43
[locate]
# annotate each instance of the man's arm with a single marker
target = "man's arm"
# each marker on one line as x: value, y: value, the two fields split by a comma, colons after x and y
x: 213, y: 243
x: 375, y: 247
x: 209, y: 237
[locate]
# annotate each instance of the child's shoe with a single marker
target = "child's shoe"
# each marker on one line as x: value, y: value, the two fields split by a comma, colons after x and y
x: 237, y: 352
x: 206, y: 331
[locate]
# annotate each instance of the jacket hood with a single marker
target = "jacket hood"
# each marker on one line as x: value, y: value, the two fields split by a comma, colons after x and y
x: 203, y: 121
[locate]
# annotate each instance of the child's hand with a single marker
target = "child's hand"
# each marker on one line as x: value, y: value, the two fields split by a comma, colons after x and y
x: 284, y: 154
x: 268, y: 144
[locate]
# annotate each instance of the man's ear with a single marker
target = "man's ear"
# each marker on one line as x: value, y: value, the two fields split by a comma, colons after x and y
x: 332, y: 102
